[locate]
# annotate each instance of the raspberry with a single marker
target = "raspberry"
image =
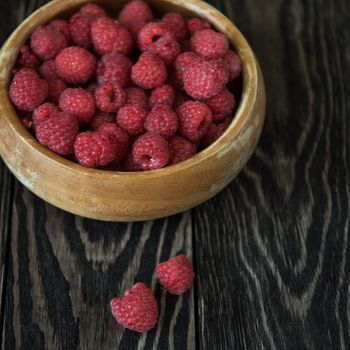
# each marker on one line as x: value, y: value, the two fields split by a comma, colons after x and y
x: 177, y: 25
x: 122, y: 140
x: 99, y: 118
x: 204, y: 79
x: 209, y: 44
x: 151, y: 33
x: 79, y: 103
x: 27, y: 58
x: 109, y: 97
x: 47, y: 42
x: 214, y: 132
x: 136, y: 96
x: 166, y: 48
x: 137, y: 310
x: 176, y: 275
x: 150, y: 152
x: 48, y: 70
x: 180, y: 64
x: 233, y: 64
x: 58, y: 133
x: 108, y: 35
x: 221, y: 105
x: 114, y: 67
x: 93, y: 10
x: 162, y: 120
x: 194, y: 119
x: 180, y: 149
x: 135, y: 15
x: 131, y: 118
x: 93, y: 149
x: 164, y: 94
x: 195, y: 24
x: 79, y: 28
x: 75, y: 65
x: 149, y: 71
x: 43, y: 112
x: 130, y: 165
x: 63, y: 27
x: 56, y: 87
x: 27, y: 90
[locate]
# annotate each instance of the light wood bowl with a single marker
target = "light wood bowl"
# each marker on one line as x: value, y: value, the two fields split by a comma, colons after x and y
x: 117, y: 196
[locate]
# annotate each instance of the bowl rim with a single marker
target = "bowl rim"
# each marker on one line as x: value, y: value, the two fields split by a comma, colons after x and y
x: 237, y: 125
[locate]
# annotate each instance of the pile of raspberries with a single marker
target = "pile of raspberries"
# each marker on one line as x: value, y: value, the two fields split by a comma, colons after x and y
x: 130, y: 94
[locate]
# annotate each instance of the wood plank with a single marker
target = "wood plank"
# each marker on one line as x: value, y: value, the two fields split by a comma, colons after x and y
x: 272, y: 250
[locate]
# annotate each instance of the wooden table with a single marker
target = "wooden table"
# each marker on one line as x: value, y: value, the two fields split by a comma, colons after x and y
x: 271, y: 251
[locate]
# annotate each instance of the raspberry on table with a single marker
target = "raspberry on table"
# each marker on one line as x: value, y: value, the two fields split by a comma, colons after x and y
x: 176, y: 275
x: 47, y: 42
x: 164, y: 94
x: 79, y: 28
x: 109, y: 97
x: 204, y: 79
x: 137, y: 309
x: 136, y: 96
x: 48, y: 70
x: 214, y: 132
x: 135, y: 15
x: 27, y: 59
x: 56, y: 87
x: 233, y: 64
x: 114, y: 67
x: 177, y: 25
x: 100, y: 118
x: 149, y: 72
x: 43, y: 112
x: 209, y: 44
x: 62, y: 26
x: 27, y: 91
x: 221, y: 105
x: 75, y: 65
x: 150, y: 151
x: 180, y: 149
x: 132, y: 118
x: 194, y: 119
x: 151, y: 33
x: 93, y: 10
x: 166, y: 48
x: 79, y: 103
x: 58, y: 132
x: 108, y: 35
x: 162, y: 120
x: 195, y: 24
x: 94, y: 149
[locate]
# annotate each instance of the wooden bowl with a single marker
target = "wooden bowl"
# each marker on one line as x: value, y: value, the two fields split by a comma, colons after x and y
x: 117, y: 196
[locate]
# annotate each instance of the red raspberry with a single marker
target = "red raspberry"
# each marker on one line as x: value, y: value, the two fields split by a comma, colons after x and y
x: 109, y: 97
x: 122, y: 139
x: 209, y: 43
x: 180, y: 149
x: 108, y: 35
x: 62, y: 26
x: 43, y: 112
x: 27, y: 90
x: 164, y: 94
x: 195, y: 24
x: 221, y: 105
x: 162, y: 120
x: 166, y: 48
x: 130, y: 165
x: 79, y: 27
x: 177, y: 25
x: 56, y: 87
x: 136, y: 96
x: 48, y: 70
x: 233, y: 64
x: 151, y: 33
x: 27, y: 58
x: 149, y: 72
x: 137, y: 310
x: 194, y: 119
x: 99, y: 118
x: 58, y: 133
x: 150, y: 152
x: 135, y: 15
x: 204, y: 79
x: 79, y: 103
x: 75, y: 65
x: 47, y: 42
x: 93, y: 10
x: 180, y: 64
x: 114, y: 67
x: 214, y: 132
x: 176, y: 275
x: 93, y: 149
x: 131, y: 118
